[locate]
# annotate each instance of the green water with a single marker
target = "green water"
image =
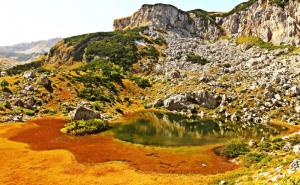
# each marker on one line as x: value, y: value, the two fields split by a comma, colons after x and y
x: 166, y: 129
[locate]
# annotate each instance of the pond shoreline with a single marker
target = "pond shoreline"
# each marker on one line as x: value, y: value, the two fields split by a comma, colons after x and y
x: 101, y: 148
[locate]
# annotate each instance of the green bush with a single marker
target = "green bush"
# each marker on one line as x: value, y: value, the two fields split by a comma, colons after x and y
x: 98, y: 105
x: 150, y: 52
x: 49, y: 111
x: 2, y: 106
x: 141, y: 82
x: 84, y: 127
x: 160, y: 41
x: 29, y: 112
x: 94, y: 94
x: 101, y: 73
x: 4, y: 84
x: 119, y: 47
x: 265, y: 146
x: 254, y: 157
x: 196, y: 59
x: 235, y: 149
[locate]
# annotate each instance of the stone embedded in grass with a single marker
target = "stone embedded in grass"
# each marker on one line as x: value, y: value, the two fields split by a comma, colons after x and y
x: 252, y: 143
x: 44, y: 80
x: 29, y: 74
x: 295, y: 165
x: 296, y: 149
x: 294, y: 91
x: 287, y: 147
x: 83, y: 112
x: 297, y: 109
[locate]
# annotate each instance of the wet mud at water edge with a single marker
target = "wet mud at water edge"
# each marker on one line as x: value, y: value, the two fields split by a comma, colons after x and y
x: 44, y: 134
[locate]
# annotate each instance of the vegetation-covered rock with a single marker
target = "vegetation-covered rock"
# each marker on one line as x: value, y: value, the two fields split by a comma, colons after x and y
x: 235, y: 149
x: 82, y: 127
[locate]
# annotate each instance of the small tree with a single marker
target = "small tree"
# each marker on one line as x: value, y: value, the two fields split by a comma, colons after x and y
x: 4, y: 84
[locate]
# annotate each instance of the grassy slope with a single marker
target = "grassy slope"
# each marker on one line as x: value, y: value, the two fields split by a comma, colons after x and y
x: 103, y: 68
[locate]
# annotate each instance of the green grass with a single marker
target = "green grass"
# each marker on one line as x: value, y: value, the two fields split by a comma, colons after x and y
x: 260, y: 43
x: 84, y: 127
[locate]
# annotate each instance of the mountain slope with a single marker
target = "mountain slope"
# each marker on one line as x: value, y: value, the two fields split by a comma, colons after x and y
x: 27, y: 51
x: 198, y: 63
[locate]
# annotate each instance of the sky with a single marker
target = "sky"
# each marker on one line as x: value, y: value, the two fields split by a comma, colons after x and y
x: 33, y: 20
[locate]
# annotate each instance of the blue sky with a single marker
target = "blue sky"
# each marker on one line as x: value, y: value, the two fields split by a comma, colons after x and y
x: 31, y: 20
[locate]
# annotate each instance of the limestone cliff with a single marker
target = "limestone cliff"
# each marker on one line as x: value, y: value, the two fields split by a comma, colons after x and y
x: 266, y: 19
x: 169, y: 18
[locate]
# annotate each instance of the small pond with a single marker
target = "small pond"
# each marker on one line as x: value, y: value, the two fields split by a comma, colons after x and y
x: 167, y: 129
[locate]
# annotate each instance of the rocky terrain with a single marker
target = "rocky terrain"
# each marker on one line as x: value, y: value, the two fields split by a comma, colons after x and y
x: 256, y: 83
x: 241, y: 66
x: 271, y: 20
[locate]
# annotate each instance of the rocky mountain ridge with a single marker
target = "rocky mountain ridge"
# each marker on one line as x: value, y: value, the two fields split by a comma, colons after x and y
x: 267, y: 19
x: 27, y: 51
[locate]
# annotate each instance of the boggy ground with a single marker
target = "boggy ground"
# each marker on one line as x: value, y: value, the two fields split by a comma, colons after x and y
x: 50, y: 157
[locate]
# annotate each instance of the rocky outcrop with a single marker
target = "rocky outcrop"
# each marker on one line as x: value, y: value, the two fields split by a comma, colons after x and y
x: 268, y: 21
x: 159, y: 16
x: 264, y: 19
x: 169, y: 18
x: 295, y: 165
x: 184, y: 101
x: 29, y: 74
x: 44, y: 80
x: 84, y: 112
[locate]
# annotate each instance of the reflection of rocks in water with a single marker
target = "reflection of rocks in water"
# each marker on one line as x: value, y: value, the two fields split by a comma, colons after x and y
x: 171, y: 129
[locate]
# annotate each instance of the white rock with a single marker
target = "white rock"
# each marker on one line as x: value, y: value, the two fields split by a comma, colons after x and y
x: 296, y: 149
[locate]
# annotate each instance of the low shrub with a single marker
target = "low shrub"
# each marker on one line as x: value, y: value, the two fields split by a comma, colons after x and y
x: 235, y: 149
x: 98, y: 105
x: 150, y: 52
x: 254, y: 157
x: 160, y: 41
x: 82, y: 127
x: 4, y: 84
x: 265, y: 146
x: 94, y: 94
x: 141, y: 82
x: 29, y: 112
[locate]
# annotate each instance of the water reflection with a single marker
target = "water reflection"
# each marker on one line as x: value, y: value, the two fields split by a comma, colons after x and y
x: 166, y: 129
